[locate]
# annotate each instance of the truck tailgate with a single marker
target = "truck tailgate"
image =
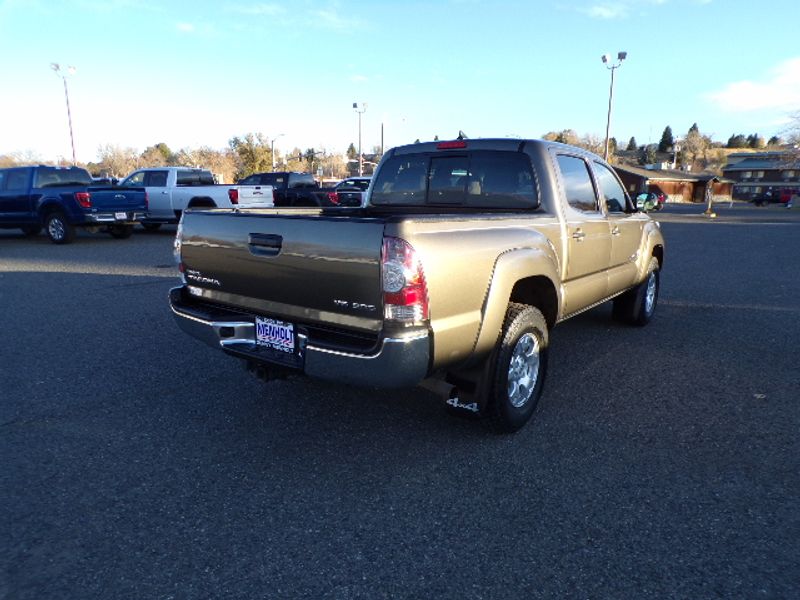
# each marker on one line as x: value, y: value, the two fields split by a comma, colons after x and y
x: 252, y: 196
x: 305, y: 268
x: 118, y: 198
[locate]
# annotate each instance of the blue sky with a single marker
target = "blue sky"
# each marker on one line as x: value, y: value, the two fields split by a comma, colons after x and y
x: 194, y: 74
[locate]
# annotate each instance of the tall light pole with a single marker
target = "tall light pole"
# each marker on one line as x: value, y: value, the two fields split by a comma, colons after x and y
x: 70, y: 71
x: 360, y: 109
x: 612, y: 67
x: 272, y: 149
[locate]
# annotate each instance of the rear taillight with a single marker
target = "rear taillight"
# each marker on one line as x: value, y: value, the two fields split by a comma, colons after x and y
x: 333, y: 197
x: 176, y: 245
x: 146, y: 200
x: 84, y: 199
x: 274, y: 196
x: 233, y: 195
x: 405, y: 293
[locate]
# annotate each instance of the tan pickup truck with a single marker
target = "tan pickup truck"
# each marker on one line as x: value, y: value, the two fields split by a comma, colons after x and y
x: 465, y: 256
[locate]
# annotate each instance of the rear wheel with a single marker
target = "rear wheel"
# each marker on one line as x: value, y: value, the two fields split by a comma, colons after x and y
x: 518, y: 369
x: 120, y: 232
x: 58, y: 228
x: 637, y: 306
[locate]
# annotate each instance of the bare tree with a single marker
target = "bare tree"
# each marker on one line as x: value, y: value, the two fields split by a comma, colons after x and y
x: 117, y: 161
x: 695, y: 146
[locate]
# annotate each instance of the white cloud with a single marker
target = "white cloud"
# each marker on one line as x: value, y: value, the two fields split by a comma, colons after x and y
x: 185, y: 27
x: 358, y: 78
x: 260, y: 9
x: 779, y: 89
x: 332, y: 19
x: 607, y: 11
x: 617, y: 10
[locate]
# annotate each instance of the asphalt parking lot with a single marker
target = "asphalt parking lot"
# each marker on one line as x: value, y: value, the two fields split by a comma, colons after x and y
x: 663, y: 462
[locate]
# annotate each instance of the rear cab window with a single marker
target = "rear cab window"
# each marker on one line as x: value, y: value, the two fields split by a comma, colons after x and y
x: 485, y: 179
x: 194, y: 177
x: 46, y: 177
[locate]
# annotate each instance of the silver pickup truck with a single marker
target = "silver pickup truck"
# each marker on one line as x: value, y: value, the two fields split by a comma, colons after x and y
x: 171, y: 190
x: 465, y: 256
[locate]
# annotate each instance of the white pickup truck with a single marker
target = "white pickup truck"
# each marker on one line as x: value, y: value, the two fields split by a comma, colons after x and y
x: 171, y: 190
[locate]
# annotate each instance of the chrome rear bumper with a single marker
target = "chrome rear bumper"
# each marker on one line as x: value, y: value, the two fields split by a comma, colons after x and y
x: 399, y: 361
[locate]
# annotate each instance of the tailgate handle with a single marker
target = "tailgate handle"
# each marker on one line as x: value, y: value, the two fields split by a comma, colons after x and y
x: 265, y: 244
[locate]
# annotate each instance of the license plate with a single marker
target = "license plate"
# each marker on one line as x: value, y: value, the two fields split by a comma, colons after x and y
x: 275, y: 334
x: 121, y: 216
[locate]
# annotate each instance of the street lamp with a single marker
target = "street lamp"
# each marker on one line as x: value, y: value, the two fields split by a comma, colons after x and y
x: 612, y: 67
x: 360, y: 109
x: 70, y: 71
x: 272, y: 149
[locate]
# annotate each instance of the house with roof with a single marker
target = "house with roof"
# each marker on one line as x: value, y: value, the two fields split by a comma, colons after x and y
x: 756, y: 173
x: 676, y: 185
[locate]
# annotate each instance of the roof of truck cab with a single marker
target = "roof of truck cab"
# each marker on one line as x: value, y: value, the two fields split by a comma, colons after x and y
x: 507, y: 144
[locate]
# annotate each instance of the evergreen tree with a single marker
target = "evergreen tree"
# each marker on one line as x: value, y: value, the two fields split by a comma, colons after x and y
x: 666, y: 140
x: 612, y: 147
x: 632, y: 145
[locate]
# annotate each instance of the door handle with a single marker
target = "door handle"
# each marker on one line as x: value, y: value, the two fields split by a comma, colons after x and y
x: 165, y: 192
x: 615, y: 230
x: 578, y: 235
x: 265, y: 244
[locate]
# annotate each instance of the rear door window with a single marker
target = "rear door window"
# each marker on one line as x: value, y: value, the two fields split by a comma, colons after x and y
x: 301, y: 181
x: 16, y: 180
x: 159, y: 178
x: 480, y: 179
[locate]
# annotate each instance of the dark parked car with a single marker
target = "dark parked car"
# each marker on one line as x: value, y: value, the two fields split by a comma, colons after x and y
x: 292, y: 189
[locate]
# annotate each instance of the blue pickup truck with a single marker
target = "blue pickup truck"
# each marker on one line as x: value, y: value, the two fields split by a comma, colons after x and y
x: 60, y: 199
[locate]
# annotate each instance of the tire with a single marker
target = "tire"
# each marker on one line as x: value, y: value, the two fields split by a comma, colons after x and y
x: 120, y: 232
x: 637, y: 306
x: 58, y: 229
x: 31, y: 230
x: 519, y: 365
x: 151, y: 226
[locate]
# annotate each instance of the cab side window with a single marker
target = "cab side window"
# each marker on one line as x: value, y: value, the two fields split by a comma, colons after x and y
x: 301, y: 181
x: 17, y: 179
x: 577, y: 181
x: 157, y: 179
x: 135, y: 180
x: 612, y: 190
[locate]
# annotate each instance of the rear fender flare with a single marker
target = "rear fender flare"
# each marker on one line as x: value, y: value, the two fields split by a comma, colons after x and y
x: 510, y: 268
x: 47, y: 205
x: 652, y: 246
